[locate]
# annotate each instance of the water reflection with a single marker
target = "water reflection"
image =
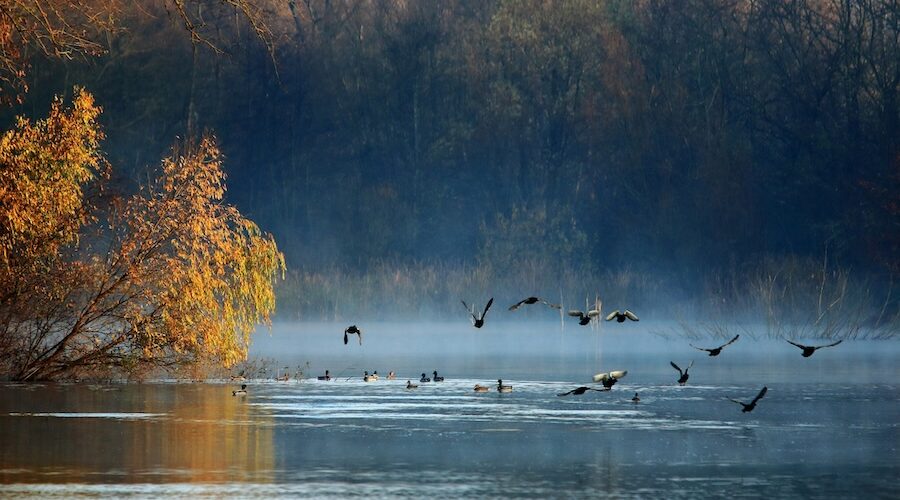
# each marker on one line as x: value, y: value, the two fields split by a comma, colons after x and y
x: 134, y: 433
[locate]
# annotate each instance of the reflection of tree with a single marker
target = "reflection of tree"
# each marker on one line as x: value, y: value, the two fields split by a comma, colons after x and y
x: 206, y: 435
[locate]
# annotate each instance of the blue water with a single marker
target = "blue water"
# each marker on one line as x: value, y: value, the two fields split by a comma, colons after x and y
x: 828, y: 426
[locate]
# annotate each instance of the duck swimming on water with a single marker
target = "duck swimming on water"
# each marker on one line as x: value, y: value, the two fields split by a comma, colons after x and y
x: 503, y: 388
x: 424, y: 379
x: 636, y: 398
x: 481, y: 388
x: 240, y: 392
x: 327, y: 376
x: 410, y: 385
x: 436, y: 378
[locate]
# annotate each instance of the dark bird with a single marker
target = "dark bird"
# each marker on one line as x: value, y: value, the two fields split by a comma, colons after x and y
x: 749, y: 407
x: 636, y: 398
x: 621, y: 316
x: 533, y: 300
x: 478, y: 319
x: 327, y: 376
x: 808, y: 350
x: 584, y: 318
x: 240, y: 392
x: 436, y: 378
x: 503, y: 388
x: 579, y: 391
x: 716, y: 351
x: 683, y: 378
x: 424, y: 379
x: 353, y: 330
x: 410, y: 385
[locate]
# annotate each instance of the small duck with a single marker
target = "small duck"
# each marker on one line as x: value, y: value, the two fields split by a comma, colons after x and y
x: 715, y: 351
x: 369, y: 378
x: 481, y: 388
x: 327, y: 376
x: 410, y: 385
x: 683, y: 375
x: 636, y: 398
x: 478, y: 319
x: 503, y: 388
x: 240, y: 392
x: 621, y: 316
x: 436, y: 378
x: 352, y: 330
x: 748, y: 407
x: 392, y: 376
x: 424, y: 379
x: 808, y: 350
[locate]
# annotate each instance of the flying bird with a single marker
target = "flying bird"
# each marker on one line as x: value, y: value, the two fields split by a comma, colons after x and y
x: 683, y: 375
x: 749, y: 407
x: 621, y: 316
x: 532, y: 300
x: 579, y: 391
x: 478, y: 319
x: 353, y: 330
x: 717, y: 350
x: 584, y: 318
x: 808, y: 350
x: 609, y: 379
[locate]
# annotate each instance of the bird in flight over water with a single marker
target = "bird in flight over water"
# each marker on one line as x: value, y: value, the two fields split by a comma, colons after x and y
x: 478, y: 319
x: 808, y: 350
x: 621, y: 316
x: 579, y: 391
x: 748, y: 407
x: 353, y: 330
x: 584, y: 317
x: 532, y: 300
x: 683, y: 375
x: 716, y: 350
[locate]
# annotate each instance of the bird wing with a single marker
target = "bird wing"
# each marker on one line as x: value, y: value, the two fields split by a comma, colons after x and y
x: 618, y: 374
x: 675, y: 367
x: 612, y: 315
x: 700, y: 348
x: 516, y: 305
x: 486, y: 307
x: 359, y: 334
x: 736, y: 401
x: 731, y: 341
x: 554, y: 306
x: 689, y: 366
x: 575, y: 313
x: 760, y: 395
x: 345, y: 337
x: 801, y: 346
x: 469, y: 309
x: 593, y: 313
x: 566, y: 393
x: 630, y: 315
x: 601, y: 377
x: 830, y: 345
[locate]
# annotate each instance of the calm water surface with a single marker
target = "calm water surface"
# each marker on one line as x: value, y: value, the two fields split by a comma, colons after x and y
x: 827, y: 428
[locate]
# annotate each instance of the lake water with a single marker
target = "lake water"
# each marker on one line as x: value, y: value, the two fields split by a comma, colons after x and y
x: 828, y: 427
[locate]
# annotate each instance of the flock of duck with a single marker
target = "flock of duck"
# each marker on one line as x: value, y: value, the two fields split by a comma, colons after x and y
x: 607, y: 380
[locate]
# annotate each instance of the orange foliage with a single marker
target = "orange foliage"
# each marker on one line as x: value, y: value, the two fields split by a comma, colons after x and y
x: 183, y: 277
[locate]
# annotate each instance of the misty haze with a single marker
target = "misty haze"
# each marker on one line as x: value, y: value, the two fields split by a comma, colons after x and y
x: 449, y: 248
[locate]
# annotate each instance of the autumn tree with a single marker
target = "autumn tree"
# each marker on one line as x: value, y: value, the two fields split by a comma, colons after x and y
x: 172, y: 276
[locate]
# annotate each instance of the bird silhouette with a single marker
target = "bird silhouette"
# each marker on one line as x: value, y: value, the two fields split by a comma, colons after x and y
x: 716, y: 350
x: 424, y: 379
x: 436, y: 378
x: 584, y: 317
x: 579, y: 391
x: 478, y: 319
x: 683, y: 375
x: 353, y: 330
x: 533, y: 300
x: 410, y: 385
x: 808, y: 350
x: 621, y: 316
x: 748, y: 407
x: 503, y: 388
x: 636, y: 398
